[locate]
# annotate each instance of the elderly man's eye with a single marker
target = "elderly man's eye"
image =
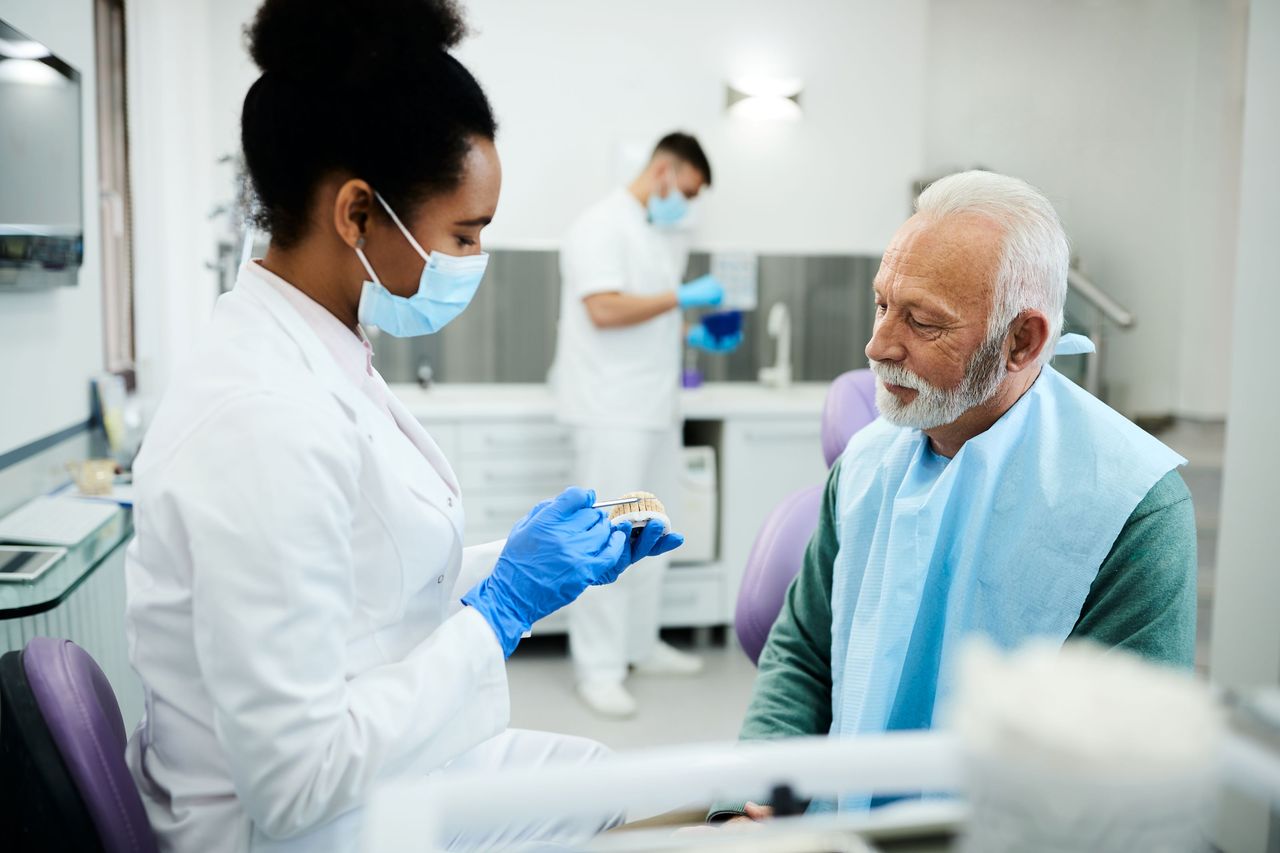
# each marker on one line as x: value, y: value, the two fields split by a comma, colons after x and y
x: 924, y: 327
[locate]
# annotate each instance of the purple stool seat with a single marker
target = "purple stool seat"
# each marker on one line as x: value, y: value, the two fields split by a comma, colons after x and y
x: 62, y: 725
x: 779, y: 548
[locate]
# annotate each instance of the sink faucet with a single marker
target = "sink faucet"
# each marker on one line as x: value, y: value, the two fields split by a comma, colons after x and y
x: 779, y: 328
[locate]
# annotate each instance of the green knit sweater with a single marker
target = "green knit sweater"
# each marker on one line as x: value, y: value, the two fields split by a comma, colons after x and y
x: 1143, y: 599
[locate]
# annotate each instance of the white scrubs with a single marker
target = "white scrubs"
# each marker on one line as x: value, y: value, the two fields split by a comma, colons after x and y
x: 293, y: 595
x: 619, y: 390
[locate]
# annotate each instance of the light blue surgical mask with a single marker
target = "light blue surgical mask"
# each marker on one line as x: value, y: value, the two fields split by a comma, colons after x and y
x: 668, y: 209
x: 446, y: 288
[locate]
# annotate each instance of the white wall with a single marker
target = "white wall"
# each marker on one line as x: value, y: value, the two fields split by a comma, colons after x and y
x: 1126, y: 114
x: 174, y: 174
x: 1246, y: 633
x: 573, y: 81
x: 51, y: 342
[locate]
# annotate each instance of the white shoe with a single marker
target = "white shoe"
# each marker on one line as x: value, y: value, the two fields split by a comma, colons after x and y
x: 668, y: 660
x: 607, y: 698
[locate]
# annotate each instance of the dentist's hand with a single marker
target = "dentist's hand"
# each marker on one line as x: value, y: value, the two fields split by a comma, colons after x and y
x: 652, y: 541
x: 703, y: 292
x: 555, y: 552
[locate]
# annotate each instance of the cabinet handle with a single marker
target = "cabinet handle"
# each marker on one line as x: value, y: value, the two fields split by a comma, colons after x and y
x: 531, y: 478
x: 781, y: 434
x: 525, y: 442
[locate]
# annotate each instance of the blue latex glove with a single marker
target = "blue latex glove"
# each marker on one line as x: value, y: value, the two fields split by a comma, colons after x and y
x: 699, y: 338
x: 555, y: 552
x: 703, y: 292
x: 652, y: 541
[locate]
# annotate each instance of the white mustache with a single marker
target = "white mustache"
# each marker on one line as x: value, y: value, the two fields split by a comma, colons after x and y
x: 893, y: 374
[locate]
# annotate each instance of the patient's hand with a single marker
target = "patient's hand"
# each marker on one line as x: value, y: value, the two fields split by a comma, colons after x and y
x: 755, y: 814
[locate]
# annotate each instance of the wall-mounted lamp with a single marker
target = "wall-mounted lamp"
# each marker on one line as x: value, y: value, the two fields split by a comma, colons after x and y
x: 764, y: 99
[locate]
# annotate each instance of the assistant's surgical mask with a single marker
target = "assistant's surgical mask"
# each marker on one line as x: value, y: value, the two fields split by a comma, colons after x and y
x: 668, y: 209
x: 445, y: 289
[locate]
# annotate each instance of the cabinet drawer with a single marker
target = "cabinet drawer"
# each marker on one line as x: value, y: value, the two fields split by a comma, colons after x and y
x: 778, y: 434
x: 535, y: 474
x: 478, y: 535
x: 691, y: 601
x: 516, y: 439
x: 490, y: 517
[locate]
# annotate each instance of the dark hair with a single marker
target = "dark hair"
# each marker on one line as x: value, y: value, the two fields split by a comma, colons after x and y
x: 685, y: 147
x: 363, y: 88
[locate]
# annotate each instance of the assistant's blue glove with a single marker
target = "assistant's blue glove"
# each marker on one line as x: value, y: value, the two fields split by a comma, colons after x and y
x: 652, y: 541
x: 699, y: 338
x: 555, y: 552
x: 703, y: 292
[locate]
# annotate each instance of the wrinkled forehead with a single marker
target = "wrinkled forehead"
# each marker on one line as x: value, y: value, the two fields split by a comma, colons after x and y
x: 953, y: 260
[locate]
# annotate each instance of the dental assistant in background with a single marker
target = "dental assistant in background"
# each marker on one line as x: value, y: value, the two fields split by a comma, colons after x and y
x: 616, y: 380
x: 301, y: 610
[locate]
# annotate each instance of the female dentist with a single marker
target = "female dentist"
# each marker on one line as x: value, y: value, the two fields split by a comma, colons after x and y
x: 304, y: 618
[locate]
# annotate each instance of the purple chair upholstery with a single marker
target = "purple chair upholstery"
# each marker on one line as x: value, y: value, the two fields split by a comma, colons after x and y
x: 72, y: 739
x: 778, y: 551
x: 851, y: 405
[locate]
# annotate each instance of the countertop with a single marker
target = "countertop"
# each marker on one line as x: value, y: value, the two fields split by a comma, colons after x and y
x: 48, y: 591
x: 533, y: 401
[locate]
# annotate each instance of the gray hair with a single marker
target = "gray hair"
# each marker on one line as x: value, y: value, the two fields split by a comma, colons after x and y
x: 1035, y: 256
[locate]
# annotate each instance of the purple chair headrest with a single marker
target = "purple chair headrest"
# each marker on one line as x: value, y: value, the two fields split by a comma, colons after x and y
x: 772, y: 565
x: 851, y: 405
x: 80, y: 710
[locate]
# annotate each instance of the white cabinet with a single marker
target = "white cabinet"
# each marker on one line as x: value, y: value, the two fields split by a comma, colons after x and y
x: 762, y: 461
x: 509, y: 453
x: 692, y: 596
x: 505, y: 468
x: 527, y: 438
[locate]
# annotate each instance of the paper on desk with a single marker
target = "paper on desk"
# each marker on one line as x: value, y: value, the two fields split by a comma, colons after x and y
x: 55, y: 520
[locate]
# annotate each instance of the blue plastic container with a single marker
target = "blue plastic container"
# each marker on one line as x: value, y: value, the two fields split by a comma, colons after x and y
x: 723, y: 324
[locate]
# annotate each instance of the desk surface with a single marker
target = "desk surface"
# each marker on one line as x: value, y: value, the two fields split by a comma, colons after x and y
x: 46, y: 592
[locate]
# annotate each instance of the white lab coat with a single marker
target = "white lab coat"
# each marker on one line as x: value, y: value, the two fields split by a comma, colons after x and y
x: 625, y: 377
x: 619, y: 391
x: 293, y: 596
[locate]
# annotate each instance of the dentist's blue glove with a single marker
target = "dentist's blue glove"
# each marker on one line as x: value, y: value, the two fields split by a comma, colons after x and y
x: 699, y: 338
x: 703, y: 292
x: 555, y: 552
x: 652, y: 541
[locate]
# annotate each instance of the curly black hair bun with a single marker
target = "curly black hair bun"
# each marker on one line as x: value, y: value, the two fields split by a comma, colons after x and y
x: 348, y: 44
x: 366, y: 89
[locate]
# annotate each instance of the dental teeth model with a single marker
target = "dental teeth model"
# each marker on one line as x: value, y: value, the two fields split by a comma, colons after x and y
x: 644, y: 507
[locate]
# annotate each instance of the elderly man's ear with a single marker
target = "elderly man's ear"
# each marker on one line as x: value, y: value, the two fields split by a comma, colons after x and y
x: 1029, y: 335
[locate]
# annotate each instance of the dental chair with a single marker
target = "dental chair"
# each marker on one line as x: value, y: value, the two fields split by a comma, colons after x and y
x: 64, y: 784
x: 778, y: 551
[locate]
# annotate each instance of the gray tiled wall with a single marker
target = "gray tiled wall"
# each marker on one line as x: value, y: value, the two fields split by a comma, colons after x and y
x: 508, y: 334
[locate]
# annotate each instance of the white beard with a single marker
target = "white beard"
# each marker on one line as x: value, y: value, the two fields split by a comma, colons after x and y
x: 934, y: 407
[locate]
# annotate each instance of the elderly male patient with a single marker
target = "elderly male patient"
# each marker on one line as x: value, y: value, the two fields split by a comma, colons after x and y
x: 993, y: 496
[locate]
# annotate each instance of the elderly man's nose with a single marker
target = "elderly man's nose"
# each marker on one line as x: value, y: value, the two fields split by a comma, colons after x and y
x: 884, y: 345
